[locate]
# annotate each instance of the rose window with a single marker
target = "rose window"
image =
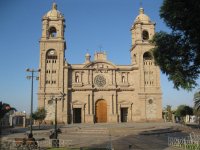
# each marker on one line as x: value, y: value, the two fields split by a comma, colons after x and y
x: 99, y: 81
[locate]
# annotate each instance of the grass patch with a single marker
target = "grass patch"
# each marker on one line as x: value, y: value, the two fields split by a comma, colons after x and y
x: 193, y: 146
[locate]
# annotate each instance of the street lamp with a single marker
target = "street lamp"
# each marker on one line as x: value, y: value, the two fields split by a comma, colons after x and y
x: 24, y: 119
x: 31, y: 77
x: 55, y: 142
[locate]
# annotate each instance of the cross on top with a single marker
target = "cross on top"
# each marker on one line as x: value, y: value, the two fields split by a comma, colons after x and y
x: 140, y: 3
x: 100, y: 47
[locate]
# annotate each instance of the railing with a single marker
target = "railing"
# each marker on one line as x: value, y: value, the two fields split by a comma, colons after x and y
x: 191, y: 142
x: 40, y: 145
x: 55, y: 143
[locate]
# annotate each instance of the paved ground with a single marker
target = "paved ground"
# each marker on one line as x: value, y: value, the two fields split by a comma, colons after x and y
x: 124, y: 136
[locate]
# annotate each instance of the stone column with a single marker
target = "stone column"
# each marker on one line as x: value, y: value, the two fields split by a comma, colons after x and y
x: 24, y: 121
x: 112, y: 76
x: 119, y: 113
x: 93, y: 104
x: 131, y: 112
x: 88, y: 76
x: 116, y: 103
x: 72, y: 114
x: 81, y: 76
x: 89, y: 104
x: 115, y: 77
x: 11, y: 120
x: 91, y: 77
x: 83, y: 112
x: 127, y: 77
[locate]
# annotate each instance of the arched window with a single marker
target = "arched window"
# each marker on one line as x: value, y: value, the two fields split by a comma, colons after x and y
x: 147, y: 56
x: 52, y: 32
x: 145, y: 35
x: 51, y: 54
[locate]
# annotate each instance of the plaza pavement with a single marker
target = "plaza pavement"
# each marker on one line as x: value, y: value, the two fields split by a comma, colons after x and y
x: 123, y: 136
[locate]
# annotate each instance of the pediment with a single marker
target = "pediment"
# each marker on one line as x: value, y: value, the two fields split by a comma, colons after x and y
x: 125, y: 102
x: 76, y: 102
x: 100, y: 65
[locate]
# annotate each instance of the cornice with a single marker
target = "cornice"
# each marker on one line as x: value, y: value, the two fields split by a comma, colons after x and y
x: 101, y: 89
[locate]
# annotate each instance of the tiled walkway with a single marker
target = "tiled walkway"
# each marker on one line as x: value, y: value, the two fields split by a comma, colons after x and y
x: 124, y: 136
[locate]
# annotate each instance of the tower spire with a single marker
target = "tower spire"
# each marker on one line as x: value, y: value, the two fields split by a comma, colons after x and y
x: 54, y: 6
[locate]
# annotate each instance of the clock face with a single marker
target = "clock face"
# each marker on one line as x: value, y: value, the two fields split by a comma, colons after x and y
x: 51, y: 52
x: 99, y: 81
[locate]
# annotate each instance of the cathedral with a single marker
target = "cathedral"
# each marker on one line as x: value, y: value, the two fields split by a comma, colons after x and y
x: 98, y: 91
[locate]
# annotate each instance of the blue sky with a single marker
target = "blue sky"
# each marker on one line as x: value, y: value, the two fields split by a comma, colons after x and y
x: 89, y: 25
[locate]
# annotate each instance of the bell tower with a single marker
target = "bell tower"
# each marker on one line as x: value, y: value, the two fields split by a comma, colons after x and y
x: 143, y: 30
x: 52, y: 59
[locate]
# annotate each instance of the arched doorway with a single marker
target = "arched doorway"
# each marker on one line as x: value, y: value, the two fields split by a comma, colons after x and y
x: 101, y: 111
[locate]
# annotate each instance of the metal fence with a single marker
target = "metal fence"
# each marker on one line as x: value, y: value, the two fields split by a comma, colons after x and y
x: 40, y: 145
x: 191, y: 142
x: 21, y: 145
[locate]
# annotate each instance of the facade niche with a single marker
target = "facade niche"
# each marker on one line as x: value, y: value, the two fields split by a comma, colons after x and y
x: 123, y: 78
x: 77, y: 77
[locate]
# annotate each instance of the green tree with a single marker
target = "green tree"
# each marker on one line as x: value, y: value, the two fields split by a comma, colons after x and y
x: 197, y: 100
x: 168, y: 112
x: 39, y: 115
x: 183, y: 110
x: 197, y: 104
x: 4, y: 109
x: 178, y: 52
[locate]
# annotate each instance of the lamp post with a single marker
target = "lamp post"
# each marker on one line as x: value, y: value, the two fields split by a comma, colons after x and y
x: 24, y: 119
x: 31, y: 77
x: 55, y: 142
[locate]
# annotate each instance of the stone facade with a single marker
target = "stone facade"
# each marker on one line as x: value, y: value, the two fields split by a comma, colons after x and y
x: 98, y: 90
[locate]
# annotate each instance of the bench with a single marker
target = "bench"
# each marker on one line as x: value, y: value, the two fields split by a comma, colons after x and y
x: 24, y: 142
x: 19, y: 142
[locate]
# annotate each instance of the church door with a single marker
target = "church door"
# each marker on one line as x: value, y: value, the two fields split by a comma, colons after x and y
x: 77, y: 115
x: 101, y: 111
x: 124, y: 114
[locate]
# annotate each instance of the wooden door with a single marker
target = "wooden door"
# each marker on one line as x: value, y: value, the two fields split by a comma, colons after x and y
x: 101, y: 111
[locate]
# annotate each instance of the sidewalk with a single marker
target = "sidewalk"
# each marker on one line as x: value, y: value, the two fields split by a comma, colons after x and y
x: 140, y: 135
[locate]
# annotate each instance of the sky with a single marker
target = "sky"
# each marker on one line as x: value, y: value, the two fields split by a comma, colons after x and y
x: 90, y: 25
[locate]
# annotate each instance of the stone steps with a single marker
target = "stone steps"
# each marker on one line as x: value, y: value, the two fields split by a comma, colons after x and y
x: 160, y: 131
x: 87, y: 131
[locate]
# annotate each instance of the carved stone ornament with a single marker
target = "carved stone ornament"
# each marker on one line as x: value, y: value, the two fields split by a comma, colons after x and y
x: 99, y: 81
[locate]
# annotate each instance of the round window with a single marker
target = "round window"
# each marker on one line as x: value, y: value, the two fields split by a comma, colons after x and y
x: 99, y: 80
x: 150, y: 101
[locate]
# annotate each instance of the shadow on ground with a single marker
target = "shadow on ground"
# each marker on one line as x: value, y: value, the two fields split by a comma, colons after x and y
x: 151, y: 140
